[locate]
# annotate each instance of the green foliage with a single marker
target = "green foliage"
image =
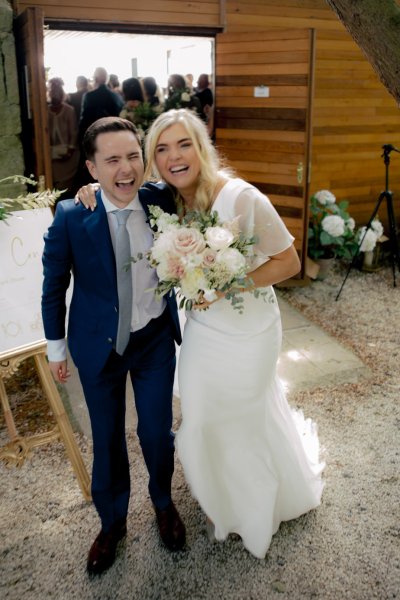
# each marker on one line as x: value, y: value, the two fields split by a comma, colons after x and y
x: 28, y: 200
x: 183, y: 98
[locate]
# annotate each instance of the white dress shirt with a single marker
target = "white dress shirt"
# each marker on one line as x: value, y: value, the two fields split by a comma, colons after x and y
x: 144, y: 279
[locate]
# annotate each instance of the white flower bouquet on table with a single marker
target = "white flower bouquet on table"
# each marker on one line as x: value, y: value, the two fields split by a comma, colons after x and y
x: 199, y: 256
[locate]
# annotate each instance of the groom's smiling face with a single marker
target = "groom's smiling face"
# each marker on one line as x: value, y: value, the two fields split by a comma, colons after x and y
x: 118, y: 166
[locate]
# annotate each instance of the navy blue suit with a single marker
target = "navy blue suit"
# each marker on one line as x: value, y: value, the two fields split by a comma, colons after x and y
x: 79, y: 241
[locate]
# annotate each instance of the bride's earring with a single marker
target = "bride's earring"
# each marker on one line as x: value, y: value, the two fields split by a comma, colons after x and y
x: 210, y: 528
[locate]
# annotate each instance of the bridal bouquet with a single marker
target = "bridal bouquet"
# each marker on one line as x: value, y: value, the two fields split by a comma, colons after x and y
x: 198, y: 256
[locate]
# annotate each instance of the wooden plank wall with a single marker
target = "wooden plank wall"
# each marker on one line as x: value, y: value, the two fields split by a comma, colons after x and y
x: 353, y: 114
x: 265, y: 139
x: 196, y: 13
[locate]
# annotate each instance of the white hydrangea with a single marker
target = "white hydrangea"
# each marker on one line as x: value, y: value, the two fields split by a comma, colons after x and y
x: 325, y: 197
x: 334, y: 225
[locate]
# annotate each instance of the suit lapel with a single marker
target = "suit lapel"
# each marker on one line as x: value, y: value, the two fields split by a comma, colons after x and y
x: 97, y: 227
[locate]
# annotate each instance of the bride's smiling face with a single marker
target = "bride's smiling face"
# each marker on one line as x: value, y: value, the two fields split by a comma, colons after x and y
x: 177, y: 160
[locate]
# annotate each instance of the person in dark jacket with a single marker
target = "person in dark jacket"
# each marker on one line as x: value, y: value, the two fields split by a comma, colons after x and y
x: 100, y: 102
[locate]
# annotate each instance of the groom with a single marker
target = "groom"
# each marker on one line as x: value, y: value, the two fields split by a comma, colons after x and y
x: 115, y: 327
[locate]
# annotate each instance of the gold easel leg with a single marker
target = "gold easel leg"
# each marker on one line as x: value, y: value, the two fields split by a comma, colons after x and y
x: 8, y: 417
x: 64, y: 425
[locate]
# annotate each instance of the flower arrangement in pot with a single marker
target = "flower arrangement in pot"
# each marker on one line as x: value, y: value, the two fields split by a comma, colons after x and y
x: 331, y: 229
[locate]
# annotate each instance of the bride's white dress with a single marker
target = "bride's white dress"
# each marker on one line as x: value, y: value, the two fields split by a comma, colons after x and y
x: 249, y: 459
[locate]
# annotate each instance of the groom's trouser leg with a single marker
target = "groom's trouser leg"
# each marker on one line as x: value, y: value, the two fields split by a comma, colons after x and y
x: 105, y: 398
x: 152, y: 375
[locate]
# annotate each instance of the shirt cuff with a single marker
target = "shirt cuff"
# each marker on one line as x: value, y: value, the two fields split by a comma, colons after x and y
x: 56, y: 350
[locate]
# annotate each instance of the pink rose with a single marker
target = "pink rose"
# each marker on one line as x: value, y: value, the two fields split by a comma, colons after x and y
x: 175, y: 267
x: 209, y: 257
x: 188, y: 241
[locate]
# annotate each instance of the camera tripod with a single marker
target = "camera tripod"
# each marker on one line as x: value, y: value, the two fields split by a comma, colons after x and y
x: 392, y: 233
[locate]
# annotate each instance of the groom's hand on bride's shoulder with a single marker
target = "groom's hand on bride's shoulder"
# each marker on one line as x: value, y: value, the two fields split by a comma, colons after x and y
x: 86, y: 195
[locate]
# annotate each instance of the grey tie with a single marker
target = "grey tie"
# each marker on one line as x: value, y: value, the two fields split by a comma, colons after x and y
x: 124, y: 280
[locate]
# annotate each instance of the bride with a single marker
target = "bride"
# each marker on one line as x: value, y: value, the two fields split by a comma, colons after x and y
x: 249, y: 459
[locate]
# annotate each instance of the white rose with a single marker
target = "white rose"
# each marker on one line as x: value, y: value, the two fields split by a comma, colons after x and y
x: 350, y: 223
x: 188, y: 241
x: 232, y: 260
x: 161, y: 246
x: 219, y: 238
x: 185, y: 97
x: 369, y: 240
x: 334, y: 225
x: 162, y: 270
x: 325, y: 197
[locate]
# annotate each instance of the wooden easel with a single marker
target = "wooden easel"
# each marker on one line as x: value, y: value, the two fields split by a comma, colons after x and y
x: 17, y: 450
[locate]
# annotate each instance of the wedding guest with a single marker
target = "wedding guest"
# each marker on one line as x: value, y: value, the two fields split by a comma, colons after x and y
x: 180, y: 96
x: 204, y: 93
x: 206, y: 98
x: 132, y: 93
x: 152, y: 93
x: 114, y: 84
x: 75, y: 98
x: 63, y: 136
x: 189, y: 81
x: 99, y: 102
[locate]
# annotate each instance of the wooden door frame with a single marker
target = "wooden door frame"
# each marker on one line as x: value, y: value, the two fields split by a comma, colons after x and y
x: 32, y: 84
x: 309, y: 129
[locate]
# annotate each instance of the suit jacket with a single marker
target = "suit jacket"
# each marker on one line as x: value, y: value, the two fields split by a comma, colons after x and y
x: 79, y: 241
x: 75, y: 99
x: 98, y: 103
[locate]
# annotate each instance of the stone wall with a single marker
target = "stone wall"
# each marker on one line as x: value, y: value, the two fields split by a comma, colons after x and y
x: 11, y: 152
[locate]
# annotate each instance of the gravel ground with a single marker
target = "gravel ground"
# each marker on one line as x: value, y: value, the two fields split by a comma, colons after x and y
x: 347, y: 548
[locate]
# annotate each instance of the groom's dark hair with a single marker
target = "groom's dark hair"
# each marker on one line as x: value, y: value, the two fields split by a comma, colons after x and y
x: 105, y: 125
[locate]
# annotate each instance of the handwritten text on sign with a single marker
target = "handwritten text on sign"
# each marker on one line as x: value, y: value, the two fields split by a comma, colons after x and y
x: 21, y: 276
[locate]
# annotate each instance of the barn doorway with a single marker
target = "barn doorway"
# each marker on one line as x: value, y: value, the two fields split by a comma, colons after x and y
x: 68, y: 54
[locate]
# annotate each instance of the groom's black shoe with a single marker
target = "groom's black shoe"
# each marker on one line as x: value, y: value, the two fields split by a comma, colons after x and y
x: 102, y: 553
x: 171, y: 528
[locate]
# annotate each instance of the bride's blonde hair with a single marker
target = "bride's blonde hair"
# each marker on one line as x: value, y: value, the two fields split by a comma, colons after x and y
x: 211, y: 165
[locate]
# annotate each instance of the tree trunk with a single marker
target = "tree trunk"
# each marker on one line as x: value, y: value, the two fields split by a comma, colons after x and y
x: 375, y: 27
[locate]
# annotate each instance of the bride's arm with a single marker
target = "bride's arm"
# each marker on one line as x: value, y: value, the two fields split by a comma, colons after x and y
x: 87, y: 195
x: 278, y: 268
